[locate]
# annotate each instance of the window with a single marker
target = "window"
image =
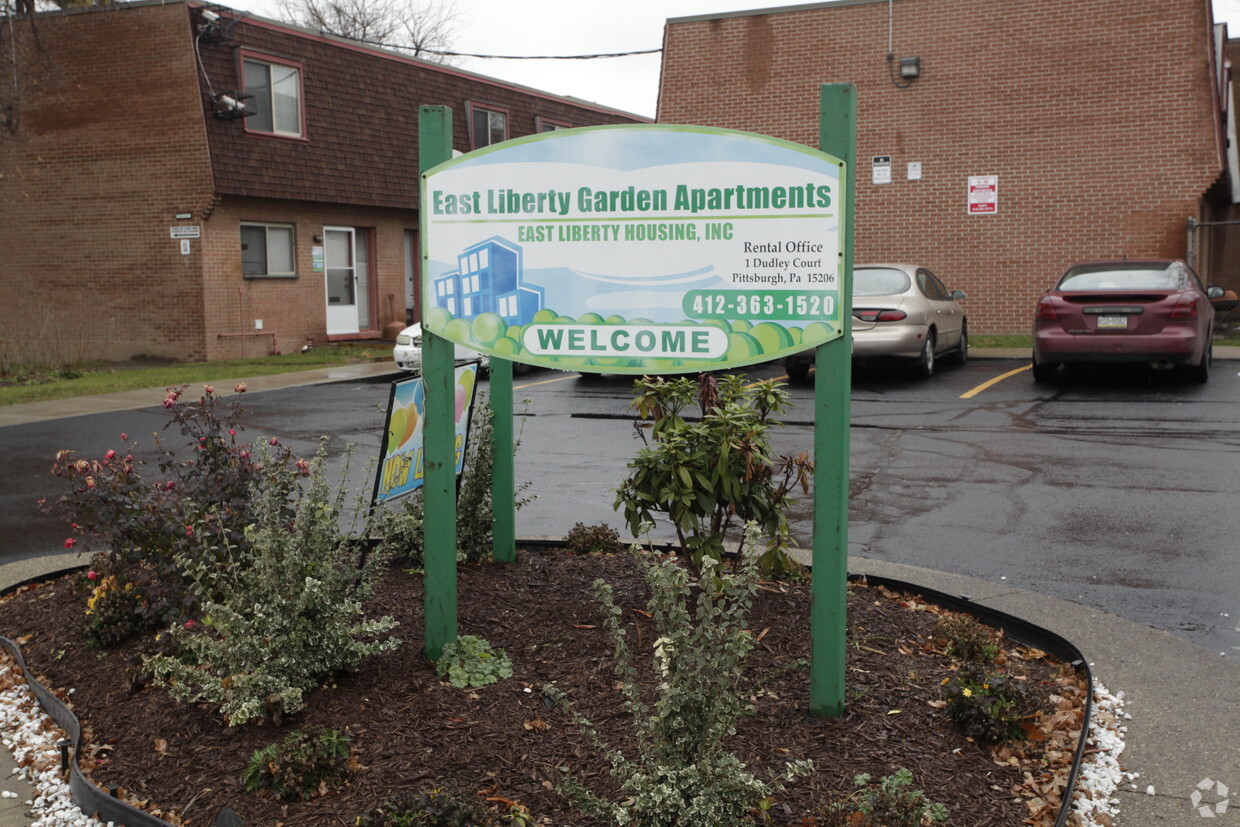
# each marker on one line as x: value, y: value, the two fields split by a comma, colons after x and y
x: 276, y: 104
x: 542, y: 124
x: 267, y: 250
x: 486, y: 125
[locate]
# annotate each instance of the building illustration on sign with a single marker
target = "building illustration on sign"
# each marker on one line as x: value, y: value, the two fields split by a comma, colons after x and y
x: 488, y: 279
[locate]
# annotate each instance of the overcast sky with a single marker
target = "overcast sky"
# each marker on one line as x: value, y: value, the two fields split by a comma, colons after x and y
x: 560, y: 27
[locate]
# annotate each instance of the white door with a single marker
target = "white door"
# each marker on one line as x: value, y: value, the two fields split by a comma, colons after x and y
x: 340, y: 265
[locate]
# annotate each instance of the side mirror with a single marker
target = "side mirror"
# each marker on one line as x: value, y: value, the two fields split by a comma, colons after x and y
x: 1215, y: 292
x: 957, y: 295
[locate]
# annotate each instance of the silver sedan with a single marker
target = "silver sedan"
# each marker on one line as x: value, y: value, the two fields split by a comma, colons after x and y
x: 901, y: 311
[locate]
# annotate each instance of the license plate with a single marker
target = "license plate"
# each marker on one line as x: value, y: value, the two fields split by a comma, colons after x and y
x: 1112, y: 322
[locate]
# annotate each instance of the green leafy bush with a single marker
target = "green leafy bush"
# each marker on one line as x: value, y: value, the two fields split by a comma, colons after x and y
x: 594, y: 539
x: 713, y: 476
x: 682, y: 776
x: 147, y: 516
x: 281, y: 613
x: 302, y: 765
x: 989, y: 706
x: 472, y: 661
x: 442, y: 808
x: 962, y: 636
x: 892, y: 802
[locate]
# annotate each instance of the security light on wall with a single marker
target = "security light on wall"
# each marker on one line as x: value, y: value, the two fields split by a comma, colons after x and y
x: 232, y: 105
x: 909, y: 70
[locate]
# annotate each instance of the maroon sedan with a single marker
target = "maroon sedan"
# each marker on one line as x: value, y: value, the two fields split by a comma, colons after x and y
x: 1154, y: 312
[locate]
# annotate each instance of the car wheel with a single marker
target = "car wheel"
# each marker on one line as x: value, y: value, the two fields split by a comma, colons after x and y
x: 925, y: 362
x: 797, y: 371
x: 1200, y: 372
x: 961, y: 355
x: 520, y: 368
x: 1044, y: 371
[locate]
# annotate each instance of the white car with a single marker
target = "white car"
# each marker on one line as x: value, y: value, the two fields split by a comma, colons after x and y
x: 408, y: 350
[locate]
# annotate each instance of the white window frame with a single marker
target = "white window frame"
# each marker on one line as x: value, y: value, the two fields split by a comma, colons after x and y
x: 267, y: 245
x: 279, y: 125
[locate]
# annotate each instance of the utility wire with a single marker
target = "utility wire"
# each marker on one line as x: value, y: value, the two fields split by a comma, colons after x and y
x: 445, y: 53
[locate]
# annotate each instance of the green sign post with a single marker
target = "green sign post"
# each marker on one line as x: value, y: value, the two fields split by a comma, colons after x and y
x: 832, y: 414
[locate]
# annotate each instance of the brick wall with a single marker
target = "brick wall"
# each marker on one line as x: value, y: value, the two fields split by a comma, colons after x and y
x: 108, y: 137
x: 293, y: 310
x: 98, y: 156
x: 1097, y: 116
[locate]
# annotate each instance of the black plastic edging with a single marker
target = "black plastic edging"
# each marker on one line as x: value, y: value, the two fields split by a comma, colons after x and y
x: 108, y: 808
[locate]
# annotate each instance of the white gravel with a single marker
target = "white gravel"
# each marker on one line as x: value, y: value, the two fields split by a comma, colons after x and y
x: 32, y: 738
x: 1093, y: 801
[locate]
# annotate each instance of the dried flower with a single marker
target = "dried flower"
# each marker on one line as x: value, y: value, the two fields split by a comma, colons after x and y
x: 240, y: 388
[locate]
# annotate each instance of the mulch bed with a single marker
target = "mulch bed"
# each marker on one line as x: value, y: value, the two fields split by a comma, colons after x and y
x: 413, y: 731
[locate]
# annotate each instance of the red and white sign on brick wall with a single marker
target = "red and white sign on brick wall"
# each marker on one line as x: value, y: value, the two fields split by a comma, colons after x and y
x: 983, y: 194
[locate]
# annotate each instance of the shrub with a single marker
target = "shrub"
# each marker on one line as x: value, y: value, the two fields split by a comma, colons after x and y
x: 962, y: 636
x: 281, y: 613
x: 682, y: 776
x: 595, y: 539
x: 302, y: 765
x: 113, y: 612
x: 713, y: 476
x: 989, y: 706
x: 471, y: 661
x: 892, y: 802
x: 191, y: 507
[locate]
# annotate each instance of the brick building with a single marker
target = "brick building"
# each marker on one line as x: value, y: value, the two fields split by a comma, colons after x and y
x: 142, y: 212
x: 1101, y: 121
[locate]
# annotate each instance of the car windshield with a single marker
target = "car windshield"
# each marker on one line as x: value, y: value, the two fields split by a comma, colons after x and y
x: 879, y: 281
x: 1124, y: 276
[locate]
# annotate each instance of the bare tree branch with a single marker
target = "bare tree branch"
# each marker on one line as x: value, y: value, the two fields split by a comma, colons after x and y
x: 414, y: 26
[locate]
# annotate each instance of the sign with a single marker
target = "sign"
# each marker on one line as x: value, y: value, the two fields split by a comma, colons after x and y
x: 880, y: 169
x: 400, y: 468
x: 316, y: 258
x: 186, y: 231
x: 983, y: 194
x: 914, y: 170
x: 634, y: 249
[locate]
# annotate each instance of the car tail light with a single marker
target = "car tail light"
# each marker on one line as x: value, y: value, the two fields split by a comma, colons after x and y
x: 874, y: 314
x: 1185, y: 308
x: 1046, y: 311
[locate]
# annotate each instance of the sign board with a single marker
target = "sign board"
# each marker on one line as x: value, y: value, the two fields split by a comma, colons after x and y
x: 635, y: 249
x: 983, y: 194
x: 401, y: 463
x: 186, y: 231
x: 880, y: 167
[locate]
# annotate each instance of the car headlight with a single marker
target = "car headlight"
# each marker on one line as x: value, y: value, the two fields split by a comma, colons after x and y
x: 403, y: 340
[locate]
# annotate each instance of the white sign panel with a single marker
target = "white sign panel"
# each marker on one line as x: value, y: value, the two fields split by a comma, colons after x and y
x: 881, y: 169
x: 627, y: 249
x: 186, y: 231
